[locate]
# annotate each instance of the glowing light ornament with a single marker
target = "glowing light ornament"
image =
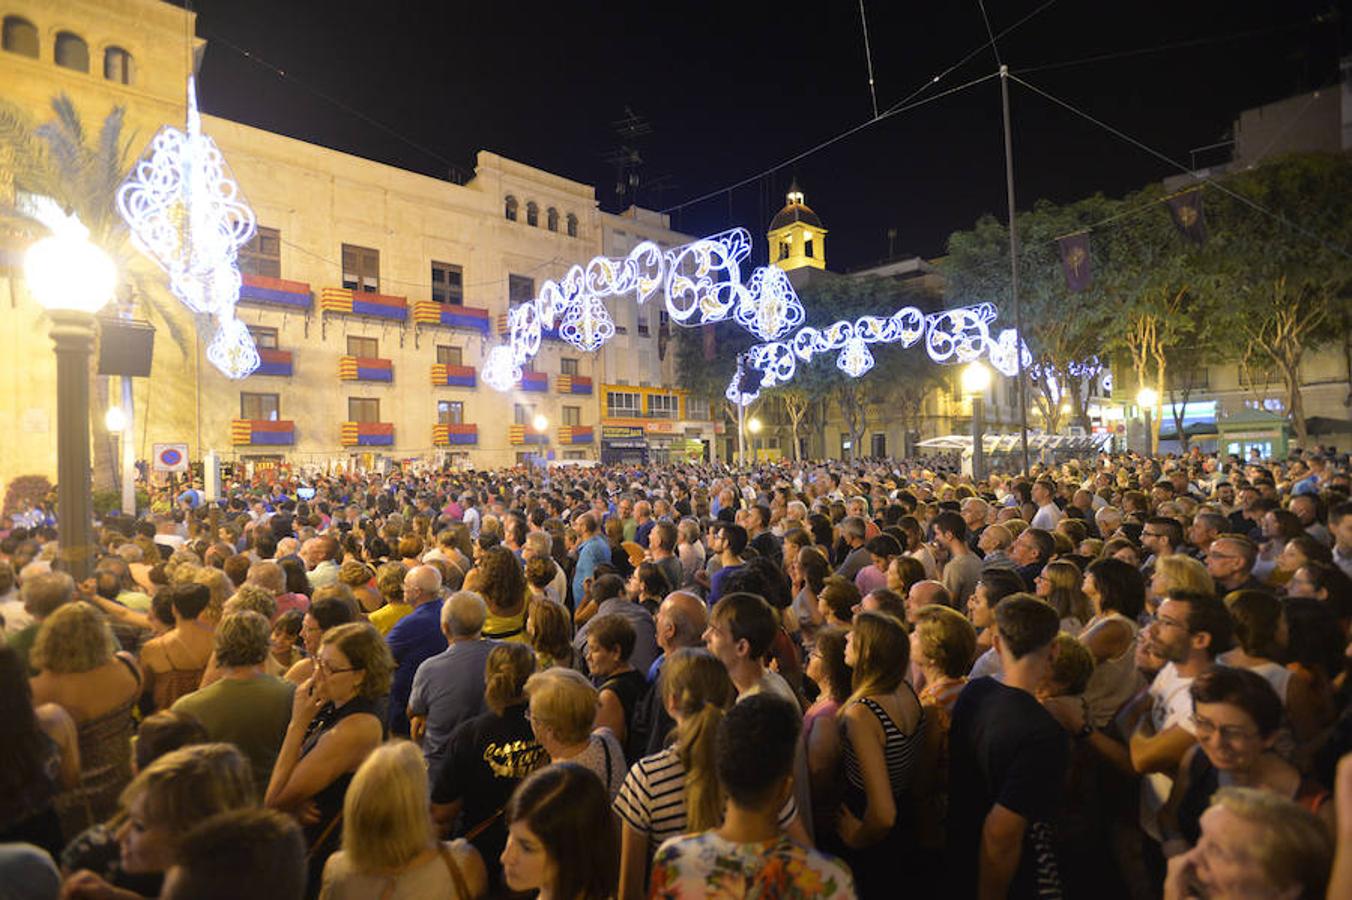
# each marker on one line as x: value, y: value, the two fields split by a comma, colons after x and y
x: 185, y: 212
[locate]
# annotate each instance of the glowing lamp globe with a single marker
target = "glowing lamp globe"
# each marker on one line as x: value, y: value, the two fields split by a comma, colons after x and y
x: 115, y: 420
x: 540, y: 423
x: 1147, y: 398
x: 66, y: 273
x: 753, y: 425
x: 976, y: 377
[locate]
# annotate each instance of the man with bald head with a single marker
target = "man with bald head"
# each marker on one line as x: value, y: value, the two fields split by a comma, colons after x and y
x: 321, y: 555
x: 414, y: 638
x: 681, y: 620
x: 926, y: 593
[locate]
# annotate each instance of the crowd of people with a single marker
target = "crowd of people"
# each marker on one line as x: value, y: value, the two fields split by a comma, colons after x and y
x: 1119, y: 677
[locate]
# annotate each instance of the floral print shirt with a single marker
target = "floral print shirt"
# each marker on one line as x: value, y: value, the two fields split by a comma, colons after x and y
x: 707, y: 865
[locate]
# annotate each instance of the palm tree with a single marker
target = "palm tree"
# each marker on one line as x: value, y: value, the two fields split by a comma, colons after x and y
x: 57, y: 159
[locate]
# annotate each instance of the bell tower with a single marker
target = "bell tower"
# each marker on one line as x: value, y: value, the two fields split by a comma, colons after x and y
x: 797, y: 238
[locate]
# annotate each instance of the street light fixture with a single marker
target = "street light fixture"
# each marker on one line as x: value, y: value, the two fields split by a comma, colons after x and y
x: 976, y: 379
x: 1147, y: 399
x: 115, y: 420
x: 540, y: 422
x: 754, y: 426
x: 72, y: 279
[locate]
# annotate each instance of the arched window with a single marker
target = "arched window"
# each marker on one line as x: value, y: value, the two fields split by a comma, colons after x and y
x: 511, y: 208
x: 532, y: 214
x: 71, y: 51
x: 572, y: 225
x: 20, y: 36
x: 117, y: 65
x: 552, y: 219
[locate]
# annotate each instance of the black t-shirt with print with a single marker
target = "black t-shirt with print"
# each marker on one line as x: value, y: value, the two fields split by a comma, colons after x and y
x: 1006, y: 749
x: 486, y: 758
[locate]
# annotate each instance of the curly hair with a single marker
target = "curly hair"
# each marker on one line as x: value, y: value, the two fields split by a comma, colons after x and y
x: 390, y: 581
x: 505, y: 674
x: 72, y: 640
x: 500, y: 581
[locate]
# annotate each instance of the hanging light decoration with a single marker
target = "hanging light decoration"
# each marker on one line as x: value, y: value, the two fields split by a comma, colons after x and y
x: 185, y: 212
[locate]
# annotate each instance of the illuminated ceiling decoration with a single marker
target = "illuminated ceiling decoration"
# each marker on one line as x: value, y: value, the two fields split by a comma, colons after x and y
x: 701, y: 283
x: 185, y: 212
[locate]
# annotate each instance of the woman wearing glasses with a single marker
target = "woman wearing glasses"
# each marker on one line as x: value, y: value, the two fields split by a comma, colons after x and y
x: 1236, y: 716
x: 337, y: 719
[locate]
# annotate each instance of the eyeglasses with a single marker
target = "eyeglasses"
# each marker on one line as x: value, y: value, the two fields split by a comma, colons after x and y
x: 1229, y: 734
x: 1172, y: 623
x: 327, y: 668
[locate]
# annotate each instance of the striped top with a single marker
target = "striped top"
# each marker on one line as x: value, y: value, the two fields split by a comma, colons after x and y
x: 651, y: 800
x: 899, y: 750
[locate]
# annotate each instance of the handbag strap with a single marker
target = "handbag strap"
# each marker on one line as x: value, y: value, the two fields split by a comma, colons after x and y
x: 483, y: 826
x: 324, y: 835
x: 461, y: 886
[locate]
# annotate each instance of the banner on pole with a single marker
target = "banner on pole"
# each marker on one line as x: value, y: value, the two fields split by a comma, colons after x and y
x: 1075, y: 261
x: 1186, y: 210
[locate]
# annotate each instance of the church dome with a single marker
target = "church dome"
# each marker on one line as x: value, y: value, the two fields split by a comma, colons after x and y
x: 795, y: 210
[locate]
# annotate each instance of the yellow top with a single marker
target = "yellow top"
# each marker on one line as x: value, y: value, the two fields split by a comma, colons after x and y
x: 388, y: 616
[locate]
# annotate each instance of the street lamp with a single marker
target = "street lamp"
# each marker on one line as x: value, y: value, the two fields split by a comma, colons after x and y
x: 1146, y: 398
x: 118, y: 422
x: 754, y: 426
x: 976, y: 378
x: 72, y: 279
x: 540, y: 423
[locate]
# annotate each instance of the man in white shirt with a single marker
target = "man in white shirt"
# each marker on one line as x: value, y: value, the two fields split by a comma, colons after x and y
x: 1048, y: 513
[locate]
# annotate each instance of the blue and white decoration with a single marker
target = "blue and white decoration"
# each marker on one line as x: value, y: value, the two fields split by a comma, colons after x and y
x: 701, y: 283
x: 185, y: 212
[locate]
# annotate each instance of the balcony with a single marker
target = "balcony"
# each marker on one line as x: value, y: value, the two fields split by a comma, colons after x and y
x: 266, y: 432
x: 449, y: 435
x: 267, y: 291
x: 359, y: 303
x: 446, y: 375
x: 366, y: 434
x: 535, y: 382
x: 365, y: 368
x: 573, y: 384
x: 274, y: 362
x: 526, y: 434
x: 576, y: 434
x: 430, y: 312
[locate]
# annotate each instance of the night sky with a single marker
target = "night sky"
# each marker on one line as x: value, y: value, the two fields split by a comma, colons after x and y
x: 731, y: 88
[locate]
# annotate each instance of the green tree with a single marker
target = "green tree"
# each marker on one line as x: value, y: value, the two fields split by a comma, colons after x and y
x: 1284, y: 275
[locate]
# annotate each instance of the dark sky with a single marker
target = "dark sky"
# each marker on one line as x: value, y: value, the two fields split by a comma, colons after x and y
x: 733, y: 87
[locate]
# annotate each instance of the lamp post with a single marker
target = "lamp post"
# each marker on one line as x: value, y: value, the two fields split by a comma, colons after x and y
x: 116, y: 421
x: 976, y: 378
x: 72, y: 279
x: 753, y: 425
x: 1146, y: 398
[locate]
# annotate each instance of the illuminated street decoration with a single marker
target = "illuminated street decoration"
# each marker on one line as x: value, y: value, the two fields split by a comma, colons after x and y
x: 701, y: 283
x: 185, y: 212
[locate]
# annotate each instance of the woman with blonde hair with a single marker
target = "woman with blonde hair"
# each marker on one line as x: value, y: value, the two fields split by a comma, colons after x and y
x: 389, y: 847
x: 563, y: 717
x: 390, y: 582
x: 168, y: 797
x: 1059, y: 584
x: 550, y: 630
x: 884, y: 730
x: 1177, y: 573
x: 488, y: 756
x: 81, y: 670
x: 358, y: 576
x: 336, y: 721
x: 220, y: 586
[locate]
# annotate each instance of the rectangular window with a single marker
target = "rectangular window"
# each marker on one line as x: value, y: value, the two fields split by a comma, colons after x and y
x: 572, y: 415
x: 567, y: 366
x: 785, y: 250
x: 621, y: 403
x: 363, y: 346
x: 263, y: 254
x: 363, y: 409
x: 879, y: 445
x: 361, y: 269
x: 520, y: 289
x: 523, y: 414
x: 263, y: 338
x: 807, y: 247
x: 258, y: 406
x: 575, y: 454
x: 450, y: 356
x: 524, y: 457
x: 697, y: 408
x: 663, y: 406
x: 641, y: 322
x: 448, y: 284
x: 450, y: 412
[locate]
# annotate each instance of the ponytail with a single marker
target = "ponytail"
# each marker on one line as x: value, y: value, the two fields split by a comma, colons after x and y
x: 695, y: 747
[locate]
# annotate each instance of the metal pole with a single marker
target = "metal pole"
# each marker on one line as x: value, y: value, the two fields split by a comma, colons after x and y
x: 72, y: 336
x: 1149, y: 433
x: 1019, y: 378
x: 128, y: 450
x: 741, y: 414
x: 978, y: 439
